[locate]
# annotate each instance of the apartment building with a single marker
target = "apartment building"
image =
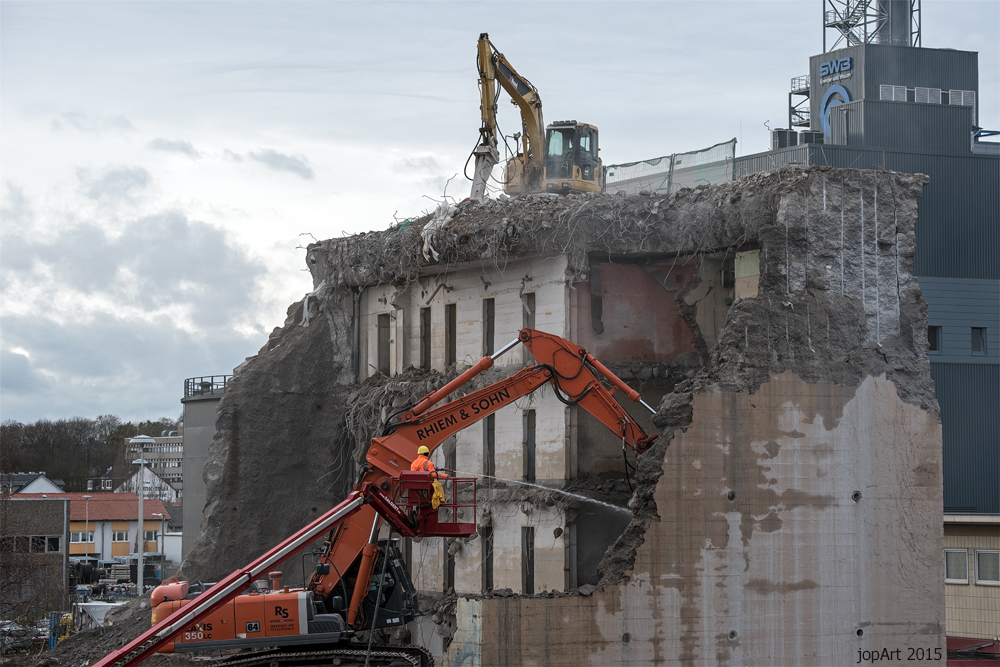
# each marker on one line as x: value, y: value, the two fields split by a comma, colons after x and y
x: 105, y: 525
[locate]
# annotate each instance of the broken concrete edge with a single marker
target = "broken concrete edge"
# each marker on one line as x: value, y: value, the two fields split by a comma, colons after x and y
x: 689, y: 222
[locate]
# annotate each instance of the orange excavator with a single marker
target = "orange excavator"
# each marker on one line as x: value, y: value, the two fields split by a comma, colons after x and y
x: 360, y: 582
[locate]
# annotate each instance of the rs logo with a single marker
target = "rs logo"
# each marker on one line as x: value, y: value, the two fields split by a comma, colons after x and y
x: 280, y: 611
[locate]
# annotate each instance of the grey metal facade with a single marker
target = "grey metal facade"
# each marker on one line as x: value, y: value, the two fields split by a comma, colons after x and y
x: 957, y: 305
x: 972, y: 454
x: 958, y: 231
x: 905, y: 126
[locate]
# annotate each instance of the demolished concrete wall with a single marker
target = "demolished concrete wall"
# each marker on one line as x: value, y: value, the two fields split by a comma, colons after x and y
x: 277, y: 460
x: 790, y: 510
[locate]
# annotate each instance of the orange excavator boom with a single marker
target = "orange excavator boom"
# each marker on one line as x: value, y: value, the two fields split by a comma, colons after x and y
x: 352, y: 526
x: 576, y: 377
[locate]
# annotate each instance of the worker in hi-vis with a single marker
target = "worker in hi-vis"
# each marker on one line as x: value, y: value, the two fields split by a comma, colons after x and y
x: 423, y: 462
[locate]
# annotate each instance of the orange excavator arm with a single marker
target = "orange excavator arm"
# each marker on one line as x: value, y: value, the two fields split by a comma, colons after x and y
x: 367, y: 496
x: 576, y: 377
x: 353, y: 524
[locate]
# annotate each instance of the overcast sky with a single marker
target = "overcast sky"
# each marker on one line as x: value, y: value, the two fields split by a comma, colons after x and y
x: 160, y: 162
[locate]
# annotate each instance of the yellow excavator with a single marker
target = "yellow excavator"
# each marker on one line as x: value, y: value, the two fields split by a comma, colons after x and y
x: 568, y: 159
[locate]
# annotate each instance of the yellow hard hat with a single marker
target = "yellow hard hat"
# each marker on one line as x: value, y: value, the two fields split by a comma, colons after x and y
x: 422, y: 449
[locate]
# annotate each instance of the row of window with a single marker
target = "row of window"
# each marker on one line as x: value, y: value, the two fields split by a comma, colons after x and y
x: 31, y: 544
x: 157, y: 448
x: 527, y: 561
x: 166, y: 463
x: 83, y: 537
x: 986, y: 567
x: 450, y: 332
x: 486, y: 533
x: 935, y: 340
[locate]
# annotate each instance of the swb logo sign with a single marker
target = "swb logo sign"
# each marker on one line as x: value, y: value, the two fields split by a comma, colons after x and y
x: 835, y: 66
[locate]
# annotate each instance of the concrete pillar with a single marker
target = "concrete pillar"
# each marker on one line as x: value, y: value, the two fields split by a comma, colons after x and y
x: 200, y: 409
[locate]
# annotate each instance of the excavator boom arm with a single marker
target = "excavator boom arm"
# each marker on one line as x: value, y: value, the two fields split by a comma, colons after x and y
x: 494, y: 68
x: 566, y: 365
x: 146, y: 644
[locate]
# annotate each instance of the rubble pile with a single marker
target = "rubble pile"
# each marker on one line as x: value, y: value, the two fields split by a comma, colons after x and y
x: 689, y: 222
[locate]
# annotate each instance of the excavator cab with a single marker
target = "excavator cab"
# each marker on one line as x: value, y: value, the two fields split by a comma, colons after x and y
x: 571, y: 158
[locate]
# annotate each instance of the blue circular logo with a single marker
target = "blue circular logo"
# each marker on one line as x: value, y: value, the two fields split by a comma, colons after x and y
x: 829, y: 101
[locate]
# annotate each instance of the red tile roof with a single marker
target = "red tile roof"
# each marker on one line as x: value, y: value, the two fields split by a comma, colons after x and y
x: 105, y: 506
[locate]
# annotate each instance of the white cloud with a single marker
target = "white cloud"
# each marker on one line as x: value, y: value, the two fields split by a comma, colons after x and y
x: 175, y: 146
x: 114, y: 184
x: 272, y: 159
x: 94, y: 124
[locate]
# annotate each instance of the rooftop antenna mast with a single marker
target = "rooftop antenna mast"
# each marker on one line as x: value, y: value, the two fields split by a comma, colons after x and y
x: 856, y: 22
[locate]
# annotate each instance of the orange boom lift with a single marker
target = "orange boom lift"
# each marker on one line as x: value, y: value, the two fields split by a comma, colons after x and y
x: 360, y: 582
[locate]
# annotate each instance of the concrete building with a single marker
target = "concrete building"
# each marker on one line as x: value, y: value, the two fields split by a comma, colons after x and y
x: 165, y: 456
x: 201, y: 403
x: 756, y: 525
x: 878, y: 100
x: 789, y: 511
x: 453, y: 319
x: 34, y: 558
x: 105, y: 525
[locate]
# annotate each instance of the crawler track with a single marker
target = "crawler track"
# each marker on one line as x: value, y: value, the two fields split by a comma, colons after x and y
x: 382, y: 655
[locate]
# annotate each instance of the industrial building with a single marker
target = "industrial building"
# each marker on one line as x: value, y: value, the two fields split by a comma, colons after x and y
x: 201, y: 401
x: 876, y: 99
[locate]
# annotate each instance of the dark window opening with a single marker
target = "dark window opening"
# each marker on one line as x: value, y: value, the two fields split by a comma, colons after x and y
x: 451, y: 459
x: 529, y: 445
x: 486, y: 534
x: 729, y: 274
x: 978, y: 340
x: 489, y: 325
x: 490, y: 446
x: 425, y: 338
x: 449, y: 557
x: 934, y: 339
x: 527, y: 560
x: 449, y: 570
x: 451, y: 333
x: 527, y: 321
x: 382, y: 362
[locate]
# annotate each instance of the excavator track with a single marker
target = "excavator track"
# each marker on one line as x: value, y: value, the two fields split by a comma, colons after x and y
x: 382, y: 655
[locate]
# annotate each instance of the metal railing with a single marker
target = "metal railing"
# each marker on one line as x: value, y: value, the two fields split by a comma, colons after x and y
x: 800, y: 83
x: 207, y: 385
